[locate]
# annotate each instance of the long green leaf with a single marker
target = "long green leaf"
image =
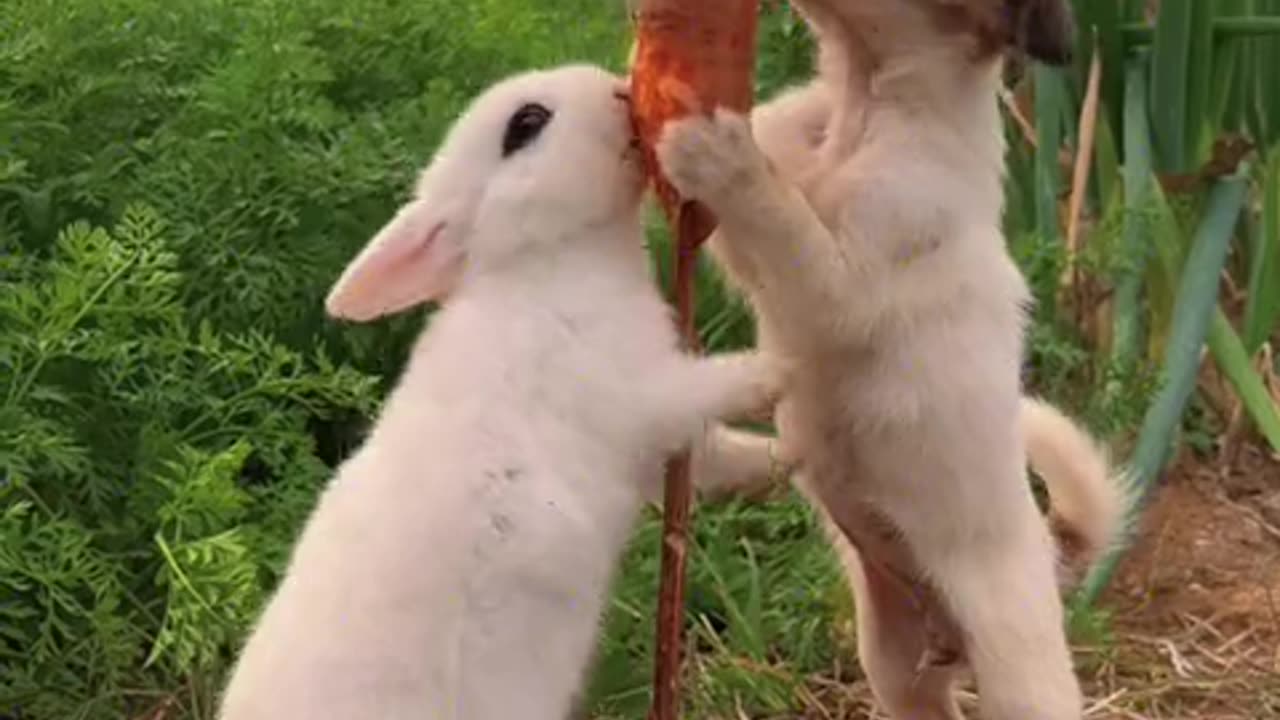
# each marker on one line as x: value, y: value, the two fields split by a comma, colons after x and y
x: 1262, y: 309
x: 1266, y: 59
x: 1102, y: 18
x: 1193, y: 314
x: 1106, y: 163
x: 1232, y: 359
x: 1233, y: 106
x: 1255, y: 77
x: 1263, y: 24
x: 1171, y: 58
x: 1019, y: 185
x: 1136, y: 238
x: 1133, y: 11
x: 1201, y: 123
x: 1051, y: 102
x: 1169, y: 241
x: 1229, y: 91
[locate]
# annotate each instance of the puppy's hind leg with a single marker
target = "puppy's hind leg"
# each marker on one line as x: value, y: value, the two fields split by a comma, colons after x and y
x: 891, y: 646
x: 893, y: 638
x: 891, y: 643
x: 1004, y: 595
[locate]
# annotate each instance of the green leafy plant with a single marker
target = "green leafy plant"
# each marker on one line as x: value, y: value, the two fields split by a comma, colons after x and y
x: 152, y: 474
x: 1185, y: 89
x: 171, y: 396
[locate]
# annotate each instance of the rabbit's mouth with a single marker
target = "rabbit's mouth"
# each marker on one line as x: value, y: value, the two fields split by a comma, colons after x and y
x: 632, y: 157
x: 634, y: 149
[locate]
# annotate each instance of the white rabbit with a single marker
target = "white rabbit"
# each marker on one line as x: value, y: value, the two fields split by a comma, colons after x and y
x: 457, y: 566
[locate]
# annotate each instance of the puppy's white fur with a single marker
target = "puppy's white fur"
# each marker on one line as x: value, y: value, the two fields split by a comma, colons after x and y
x: 866, y: 235
x: 457, y: 565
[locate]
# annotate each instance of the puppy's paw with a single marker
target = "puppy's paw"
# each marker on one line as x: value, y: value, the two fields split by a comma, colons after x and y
x: 707, y: 158
x: 775, y: 378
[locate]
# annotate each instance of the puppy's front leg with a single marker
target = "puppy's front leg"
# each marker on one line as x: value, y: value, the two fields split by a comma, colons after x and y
x: 766, y: 219
x: 789, y: 129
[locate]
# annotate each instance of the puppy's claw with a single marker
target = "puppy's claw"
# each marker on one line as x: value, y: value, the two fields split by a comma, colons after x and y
x: 706, y: 158
x: 773, y: 378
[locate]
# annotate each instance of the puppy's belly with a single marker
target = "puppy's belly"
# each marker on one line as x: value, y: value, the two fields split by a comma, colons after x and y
x: 940, y: 457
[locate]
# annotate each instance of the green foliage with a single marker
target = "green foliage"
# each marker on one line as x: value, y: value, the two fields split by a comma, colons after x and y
x: 273, y: 137
x: 145, y: 463
x: 786, y: 51
x: 1262, y: 311
x: 1186, y: 218
x: 1126, y: 331
x: 171, y: 397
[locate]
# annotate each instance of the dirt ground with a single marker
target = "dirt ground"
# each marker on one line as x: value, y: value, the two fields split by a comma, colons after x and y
x: 1195, y: 608
x: 1197, y: 602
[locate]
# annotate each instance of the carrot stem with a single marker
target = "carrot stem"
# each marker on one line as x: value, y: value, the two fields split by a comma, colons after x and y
x: 678, y: 492
x: 709, y: 47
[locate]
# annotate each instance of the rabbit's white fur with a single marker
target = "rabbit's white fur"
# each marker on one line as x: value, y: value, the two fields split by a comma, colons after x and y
x: 863, y: 223
x: 456, y: 566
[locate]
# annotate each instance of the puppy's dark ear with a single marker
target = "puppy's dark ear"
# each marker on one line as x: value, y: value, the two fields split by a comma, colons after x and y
x: 1043, y: 29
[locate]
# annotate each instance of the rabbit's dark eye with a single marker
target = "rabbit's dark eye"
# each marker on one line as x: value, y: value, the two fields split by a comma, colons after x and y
x: 524, y: 127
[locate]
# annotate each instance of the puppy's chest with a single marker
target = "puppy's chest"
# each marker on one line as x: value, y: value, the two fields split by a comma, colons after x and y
x: 903, y: 211
x: 831, y: 191
x: 820, y: 404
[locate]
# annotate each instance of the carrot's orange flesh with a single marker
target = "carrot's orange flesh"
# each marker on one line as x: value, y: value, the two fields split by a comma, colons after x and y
x: 707, y: 49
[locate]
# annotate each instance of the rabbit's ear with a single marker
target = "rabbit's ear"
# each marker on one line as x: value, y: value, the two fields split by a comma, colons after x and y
x: 415, y: 258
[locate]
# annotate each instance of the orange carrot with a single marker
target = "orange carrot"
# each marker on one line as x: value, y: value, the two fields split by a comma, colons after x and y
x: 699, y: 48
x: 702, y: 50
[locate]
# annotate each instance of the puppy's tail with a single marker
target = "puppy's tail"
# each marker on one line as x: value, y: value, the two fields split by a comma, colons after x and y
x: 1090, y: 505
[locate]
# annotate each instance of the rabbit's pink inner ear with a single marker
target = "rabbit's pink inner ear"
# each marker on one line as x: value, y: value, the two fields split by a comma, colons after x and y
x: 413, y: 260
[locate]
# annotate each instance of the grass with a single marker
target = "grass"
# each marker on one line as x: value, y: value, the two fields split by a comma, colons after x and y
x: 764, y: 600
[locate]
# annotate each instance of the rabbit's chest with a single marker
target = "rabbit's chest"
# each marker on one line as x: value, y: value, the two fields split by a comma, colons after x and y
x: 548, y: 539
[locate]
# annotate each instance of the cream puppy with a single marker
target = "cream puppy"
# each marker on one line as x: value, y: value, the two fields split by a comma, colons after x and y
x: 862, y: 221
x: 456, y: 567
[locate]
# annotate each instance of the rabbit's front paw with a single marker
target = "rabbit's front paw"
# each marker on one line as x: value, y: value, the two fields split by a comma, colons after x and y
x: 758, y: 382
x: 707, y: 158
